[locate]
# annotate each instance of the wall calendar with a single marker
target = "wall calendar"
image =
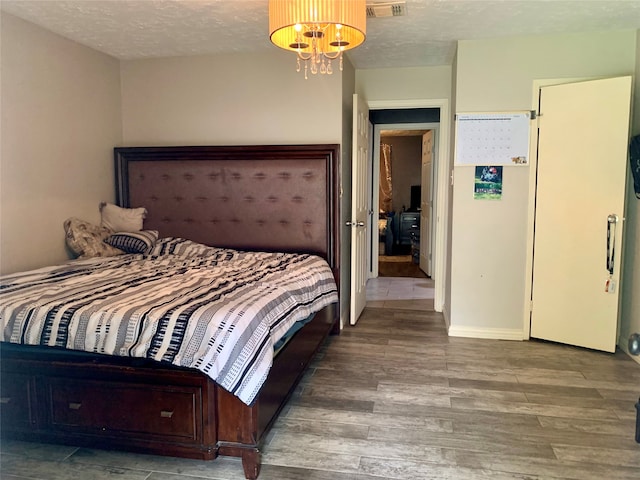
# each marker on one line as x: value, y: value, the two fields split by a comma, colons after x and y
x: 492, y: 138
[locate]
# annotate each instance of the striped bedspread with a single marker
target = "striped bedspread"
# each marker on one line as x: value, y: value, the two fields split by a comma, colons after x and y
x: 216, y: 310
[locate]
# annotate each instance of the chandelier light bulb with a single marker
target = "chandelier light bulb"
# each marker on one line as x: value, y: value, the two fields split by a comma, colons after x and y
x: 318, y: 31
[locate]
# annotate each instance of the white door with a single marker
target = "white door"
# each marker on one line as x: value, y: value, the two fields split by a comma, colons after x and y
x: 582, y: 157
x: 426, y: 205
x: 359, y: 208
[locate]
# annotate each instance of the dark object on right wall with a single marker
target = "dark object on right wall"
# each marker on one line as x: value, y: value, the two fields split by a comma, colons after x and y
x: 638, y: 421
x: 634, y: 158
x: 634, y: 349
x: 634, y: 344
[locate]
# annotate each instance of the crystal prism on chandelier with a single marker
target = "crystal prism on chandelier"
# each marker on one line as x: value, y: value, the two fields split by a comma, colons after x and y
x: 318, y: 31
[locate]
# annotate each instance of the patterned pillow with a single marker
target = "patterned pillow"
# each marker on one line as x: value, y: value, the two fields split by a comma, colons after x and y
x: 87, y: 240
x: 119, y: 219
x: 133, y: 242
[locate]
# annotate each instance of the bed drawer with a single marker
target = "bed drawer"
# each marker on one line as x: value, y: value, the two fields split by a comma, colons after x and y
x: 16, y: 401
x: 118, y: 408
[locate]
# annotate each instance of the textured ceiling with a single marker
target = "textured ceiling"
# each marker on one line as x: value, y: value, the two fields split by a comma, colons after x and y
x: 131, y: 29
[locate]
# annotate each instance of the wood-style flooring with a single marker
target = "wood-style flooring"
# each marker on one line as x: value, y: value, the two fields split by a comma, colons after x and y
x: 396, y: 398
x: 399, y: 266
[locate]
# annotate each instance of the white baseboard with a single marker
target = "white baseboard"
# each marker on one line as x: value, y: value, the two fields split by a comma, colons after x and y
x: 491, y: 333
x: 447, y: 318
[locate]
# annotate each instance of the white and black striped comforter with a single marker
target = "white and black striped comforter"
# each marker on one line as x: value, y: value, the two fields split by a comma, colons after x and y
x: 216, y: 310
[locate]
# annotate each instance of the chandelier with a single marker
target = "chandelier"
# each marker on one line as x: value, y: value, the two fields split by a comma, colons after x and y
x: 319, y: 31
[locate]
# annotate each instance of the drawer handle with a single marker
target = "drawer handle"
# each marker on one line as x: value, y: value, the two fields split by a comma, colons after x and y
x: 5, y: 400
x: 166, y: 413
x: 74, y: 405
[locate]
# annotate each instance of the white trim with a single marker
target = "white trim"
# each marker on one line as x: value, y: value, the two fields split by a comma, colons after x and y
x: 442, y: 191
x: 377, y: 128
x: 490, y: 333
x: 447, y: 317
x: 375, y: 202
x: 442, y: 206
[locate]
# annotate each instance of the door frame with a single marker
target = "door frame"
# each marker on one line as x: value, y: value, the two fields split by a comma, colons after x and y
x: 441, y: 197
x: 375, y: 192
x: 426, y: 252
x: 531, y: 210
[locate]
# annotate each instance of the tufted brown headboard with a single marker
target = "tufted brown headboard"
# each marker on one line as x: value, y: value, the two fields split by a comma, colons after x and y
x: 273, y: 198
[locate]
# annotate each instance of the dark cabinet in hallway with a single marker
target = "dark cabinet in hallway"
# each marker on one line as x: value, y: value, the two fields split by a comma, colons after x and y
x: 409, y: 226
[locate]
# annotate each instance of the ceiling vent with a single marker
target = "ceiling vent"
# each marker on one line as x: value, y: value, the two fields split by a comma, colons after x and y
x: 386, y: 9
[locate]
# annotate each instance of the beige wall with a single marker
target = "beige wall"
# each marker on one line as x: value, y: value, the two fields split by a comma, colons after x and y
x: 498, y: 73
x: 404, y: 83
x: 630, y: 321
x: 228, y: 100
x: 60, y: 120
x: 489, y: 239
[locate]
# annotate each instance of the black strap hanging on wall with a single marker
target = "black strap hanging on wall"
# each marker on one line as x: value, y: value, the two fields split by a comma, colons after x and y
x: 634, y: 158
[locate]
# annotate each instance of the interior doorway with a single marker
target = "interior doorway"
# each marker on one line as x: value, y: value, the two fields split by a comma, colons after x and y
x: 400, y: 191
x: 424, y: 114
x: 404, y: 202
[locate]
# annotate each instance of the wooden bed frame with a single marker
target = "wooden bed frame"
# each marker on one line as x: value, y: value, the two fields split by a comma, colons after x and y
x: 272, y: 198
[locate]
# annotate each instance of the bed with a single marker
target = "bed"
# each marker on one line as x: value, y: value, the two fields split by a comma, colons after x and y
x: 277, y: 200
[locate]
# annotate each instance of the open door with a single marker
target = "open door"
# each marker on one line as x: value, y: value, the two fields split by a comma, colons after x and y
x: 359, y: 222
x: 426, y: 203
x: 582, y: 161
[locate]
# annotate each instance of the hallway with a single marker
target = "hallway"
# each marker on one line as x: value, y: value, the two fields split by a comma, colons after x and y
x: 401, y: 292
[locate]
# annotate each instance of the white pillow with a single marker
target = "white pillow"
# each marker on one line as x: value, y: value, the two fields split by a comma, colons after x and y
x: 118, y: 219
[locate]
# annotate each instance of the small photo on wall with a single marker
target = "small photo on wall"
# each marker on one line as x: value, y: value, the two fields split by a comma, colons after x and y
x: 488, y: 183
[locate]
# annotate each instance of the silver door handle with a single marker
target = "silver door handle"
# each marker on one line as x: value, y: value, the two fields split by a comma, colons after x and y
x: 612, y: 220
x: 354, y: 224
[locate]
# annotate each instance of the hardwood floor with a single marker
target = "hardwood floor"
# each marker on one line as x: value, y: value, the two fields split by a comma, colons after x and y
x: 396, y: 398
x: 399, y: 266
